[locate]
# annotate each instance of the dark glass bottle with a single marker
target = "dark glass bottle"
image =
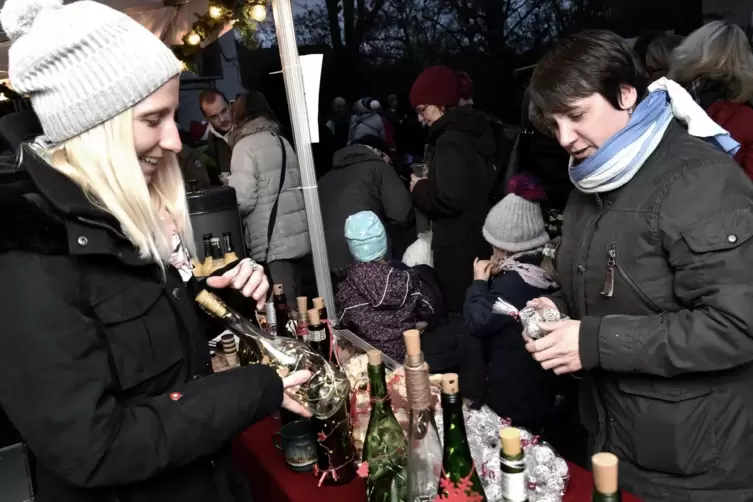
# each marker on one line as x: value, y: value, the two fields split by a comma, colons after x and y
x: 385, y: 447
x: 457, y: 462
x: 207, y: 238
x: 606, y: 487
x: 319, y: 305
x: 230, y: 255
x: 335, y: 444
x: 513, y: 466
x: 302, y: 321
x: 218, y: 259
x: 282, y: 310
x: 318, y: 338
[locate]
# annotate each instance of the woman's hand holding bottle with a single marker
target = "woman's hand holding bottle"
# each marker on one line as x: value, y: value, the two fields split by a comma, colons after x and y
x: 291, y: 382
x: 248, y: 277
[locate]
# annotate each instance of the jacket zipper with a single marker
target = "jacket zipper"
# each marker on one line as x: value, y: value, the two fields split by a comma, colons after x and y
x: 612, y: 265
x: 608, y: 288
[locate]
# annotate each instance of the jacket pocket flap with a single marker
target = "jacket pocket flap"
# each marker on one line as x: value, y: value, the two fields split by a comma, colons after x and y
x: 720, y: 232
x: 663, y: 391
x: 130, y: 303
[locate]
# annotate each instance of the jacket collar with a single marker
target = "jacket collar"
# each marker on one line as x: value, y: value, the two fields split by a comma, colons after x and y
x: 90, y: 230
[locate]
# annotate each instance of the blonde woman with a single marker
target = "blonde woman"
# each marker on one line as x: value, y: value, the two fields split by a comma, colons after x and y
x: 715, y: 63
x: 104, y: 366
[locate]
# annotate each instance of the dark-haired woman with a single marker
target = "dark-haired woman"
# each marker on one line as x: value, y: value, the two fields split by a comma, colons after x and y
x: 654, y: 268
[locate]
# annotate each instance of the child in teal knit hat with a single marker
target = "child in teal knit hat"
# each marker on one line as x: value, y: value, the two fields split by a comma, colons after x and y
x: 380, y: 301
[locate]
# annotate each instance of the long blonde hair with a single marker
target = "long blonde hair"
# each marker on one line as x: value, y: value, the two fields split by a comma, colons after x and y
x: 718, y: 51
x: 103, y: 162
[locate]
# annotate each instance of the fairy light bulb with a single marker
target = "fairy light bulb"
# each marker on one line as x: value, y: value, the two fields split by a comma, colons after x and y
x: 258, y: 12
x: 215, y: 12
x: 193, y: 38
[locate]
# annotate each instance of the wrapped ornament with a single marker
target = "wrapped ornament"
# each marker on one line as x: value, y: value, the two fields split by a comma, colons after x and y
x: 547, y: 472
x: 529, y: 317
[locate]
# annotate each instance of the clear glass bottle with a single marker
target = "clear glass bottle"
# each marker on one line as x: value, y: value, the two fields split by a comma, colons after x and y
x: 327, y: 390
x: 425, y: 456
x: 302, y: 322
x: 230, y: 255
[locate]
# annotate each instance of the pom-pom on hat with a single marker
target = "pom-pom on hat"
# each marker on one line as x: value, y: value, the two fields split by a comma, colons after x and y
x: 515, y: 223
x: 83, y: 63
x: 438, y: 86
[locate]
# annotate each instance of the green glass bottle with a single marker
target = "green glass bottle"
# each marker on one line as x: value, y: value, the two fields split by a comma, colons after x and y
x: 457, y: 462
x: 385, y: 447
x: 512, y: 466
x: 605, y: 466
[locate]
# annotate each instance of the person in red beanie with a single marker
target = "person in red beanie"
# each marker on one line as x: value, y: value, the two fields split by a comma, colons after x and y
x: 459, y: 147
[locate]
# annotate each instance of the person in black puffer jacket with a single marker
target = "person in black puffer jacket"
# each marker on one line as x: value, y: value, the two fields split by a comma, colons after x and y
x: 517, y: 387
x: 104, y: 364
x: 459, y: 150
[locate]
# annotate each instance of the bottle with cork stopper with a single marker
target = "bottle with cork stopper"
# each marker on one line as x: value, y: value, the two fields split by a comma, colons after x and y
x: 512, y: 466
x: 457, y: 462
x: 282, y: 311
x: 319, y: 305
x: 317, y: 334
x: 302, y: 321
x: 425, y: 456
x: 606, y: 487
x: 385, y: 447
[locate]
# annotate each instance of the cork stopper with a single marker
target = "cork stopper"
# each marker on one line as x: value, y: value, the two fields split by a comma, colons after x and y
x: 211, y: 303
x: 375, y: 357
x: 277, y: 289
x: 510, y: 437
x: 605, y: 472
x: 303, y: 303
x: 412, y: 342
x: 318, y: 302
x: 314, y: 317
x: 450, y: 383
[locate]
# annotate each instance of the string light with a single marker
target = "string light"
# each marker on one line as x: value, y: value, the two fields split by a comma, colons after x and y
x: 193, y: 38
x: 215, y: 12
x: 259, y: 12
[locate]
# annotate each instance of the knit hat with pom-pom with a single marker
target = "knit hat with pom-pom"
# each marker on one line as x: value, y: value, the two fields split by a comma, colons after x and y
x: 82, y: 63
x: 515, y: 223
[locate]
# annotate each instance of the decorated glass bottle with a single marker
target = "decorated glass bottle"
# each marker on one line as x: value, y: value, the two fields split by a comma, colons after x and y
x: 425, y: 449
x: 385, y: 449
x: 458, y: 470
x: 512, y: 466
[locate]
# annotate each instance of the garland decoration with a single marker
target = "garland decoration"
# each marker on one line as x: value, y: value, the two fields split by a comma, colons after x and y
x: 243, y: 14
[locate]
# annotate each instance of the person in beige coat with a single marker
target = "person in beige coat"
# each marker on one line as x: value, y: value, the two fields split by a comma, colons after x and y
x: 255, y: 168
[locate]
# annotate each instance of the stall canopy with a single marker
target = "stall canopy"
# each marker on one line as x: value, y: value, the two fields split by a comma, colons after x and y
x: 168, y: 19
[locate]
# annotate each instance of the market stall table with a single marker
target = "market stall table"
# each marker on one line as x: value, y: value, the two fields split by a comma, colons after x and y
x: 271, y: 481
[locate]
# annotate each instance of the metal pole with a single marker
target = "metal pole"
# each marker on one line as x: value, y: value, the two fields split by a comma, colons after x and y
x: 291, y: 69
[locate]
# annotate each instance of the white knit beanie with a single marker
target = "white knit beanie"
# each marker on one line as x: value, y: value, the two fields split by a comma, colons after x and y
x: 81, y: 64
x: 515, y: 223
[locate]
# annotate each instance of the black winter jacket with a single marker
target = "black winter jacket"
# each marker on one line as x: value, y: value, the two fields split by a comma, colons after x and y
x: 669, y: 355
x: 517, y: 387
x: 104, y: 368
x: 455, y: 197
x: 360, y: 181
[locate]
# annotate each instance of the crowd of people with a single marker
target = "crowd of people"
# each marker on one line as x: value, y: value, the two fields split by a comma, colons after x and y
x: 104, y: 366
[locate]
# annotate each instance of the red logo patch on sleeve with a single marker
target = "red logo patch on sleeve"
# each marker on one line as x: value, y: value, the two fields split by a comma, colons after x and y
x: 175, y: 396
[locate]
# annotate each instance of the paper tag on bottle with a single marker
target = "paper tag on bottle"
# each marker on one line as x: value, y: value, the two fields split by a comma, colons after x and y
x: 514, y: 488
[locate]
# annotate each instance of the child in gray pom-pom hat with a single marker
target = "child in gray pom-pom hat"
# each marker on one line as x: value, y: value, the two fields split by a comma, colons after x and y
x: 516, y: 387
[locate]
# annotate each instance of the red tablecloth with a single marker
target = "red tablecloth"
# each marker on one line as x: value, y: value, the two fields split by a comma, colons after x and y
x: 272, y: 481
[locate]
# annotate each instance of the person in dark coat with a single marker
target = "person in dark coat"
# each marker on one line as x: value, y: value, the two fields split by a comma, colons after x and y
x: 377, y: 300
x: 362, y: 179
x: 459, y: 150
x: 516, y: 386
x: 655, y: 274
x: 104, y: 365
